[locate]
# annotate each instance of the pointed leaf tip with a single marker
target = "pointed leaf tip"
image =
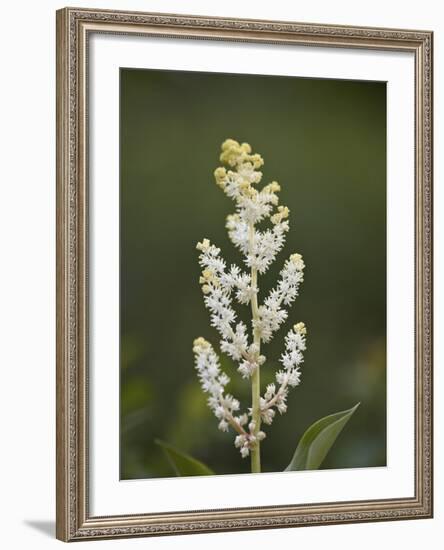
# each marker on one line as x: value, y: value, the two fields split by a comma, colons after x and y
x: 314, y: 445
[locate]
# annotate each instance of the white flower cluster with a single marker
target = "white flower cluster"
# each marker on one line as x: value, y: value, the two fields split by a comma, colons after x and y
x: 294, y: 344
x: 217, y: 287
x: 213, y: 381
x: 224, y: 406
x: 271, y: 313
x: 220, y: 284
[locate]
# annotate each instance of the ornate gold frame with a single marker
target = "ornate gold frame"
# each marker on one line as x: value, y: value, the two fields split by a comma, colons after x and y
x: 73, y: 28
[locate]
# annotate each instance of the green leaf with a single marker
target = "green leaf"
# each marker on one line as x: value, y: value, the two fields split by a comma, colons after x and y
x: 318, y: 440
x: 182, y: 463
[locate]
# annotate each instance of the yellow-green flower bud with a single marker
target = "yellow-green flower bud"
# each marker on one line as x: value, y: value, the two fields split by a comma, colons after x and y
x: 203, y: 246
x: 229, y: 143
x: 300, y: 328
x: 220, y: 175
x: 256, y: 160
x: 275, y: 187
x: 282, y: 213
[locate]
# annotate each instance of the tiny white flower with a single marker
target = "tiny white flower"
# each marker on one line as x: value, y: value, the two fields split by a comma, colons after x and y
x: 243, y: 419
x: 271, y: 390
x: 261, y: 435
x: 246, y: 368
x: 294, y: 378
x: 240, y: 441
x: 267, y: 416
x: 223, y: 426
x: 219, y: 411
x: 245, y: 451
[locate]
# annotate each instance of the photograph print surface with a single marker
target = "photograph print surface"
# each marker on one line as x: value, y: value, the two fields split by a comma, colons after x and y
x: 252, y: 273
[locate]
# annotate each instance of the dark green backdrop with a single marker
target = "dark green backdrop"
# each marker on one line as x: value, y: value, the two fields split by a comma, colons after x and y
x: 325, y: 142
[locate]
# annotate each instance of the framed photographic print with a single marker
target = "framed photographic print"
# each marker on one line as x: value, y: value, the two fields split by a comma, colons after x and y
x: 244, y: 274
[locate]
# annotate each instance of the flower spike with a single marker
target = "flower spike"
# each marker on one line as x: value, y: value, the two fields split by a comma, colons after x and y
x: 239, y: 178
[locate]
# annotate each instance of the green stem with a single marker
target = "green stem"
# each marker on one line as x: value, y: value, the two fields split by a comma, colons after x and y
x: 256, y: 450
x: 256, y: 377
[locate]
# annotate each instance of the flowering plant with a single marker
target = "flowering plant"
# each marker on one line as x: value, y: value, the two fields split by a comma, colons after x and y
x: 222, y: 284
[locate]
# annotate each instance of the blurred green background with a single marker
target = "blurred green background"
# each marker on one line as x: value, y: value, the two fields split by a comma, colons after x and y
x: 324, y: 141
